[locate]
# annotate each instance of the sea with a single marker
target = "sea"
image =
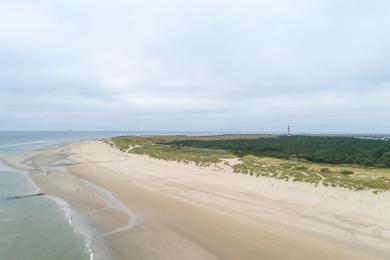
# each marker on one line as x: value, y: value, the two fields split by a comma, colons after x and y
x: 39, y: 228
x: 44, y: 227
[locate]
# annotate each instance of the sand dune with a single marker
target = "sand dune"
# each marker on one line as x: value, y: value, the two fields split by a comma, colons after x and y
x: 141, y: 208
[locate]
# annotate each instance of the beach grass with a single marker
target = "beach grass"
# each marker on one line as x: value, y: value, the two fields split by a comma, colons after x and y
x: 200, y: 157
x: 353, y: 177
x: 350, y: 177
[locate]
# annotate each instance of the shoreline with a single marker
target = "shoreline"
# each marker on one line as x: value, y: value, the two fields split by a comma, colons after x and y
x: 188, y: 212
x: 74, y: 222
x: 77, y: 221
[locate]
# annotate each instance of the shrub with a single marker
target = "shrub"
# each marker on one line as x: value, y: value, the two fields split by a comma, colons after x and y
x: 346, y: 172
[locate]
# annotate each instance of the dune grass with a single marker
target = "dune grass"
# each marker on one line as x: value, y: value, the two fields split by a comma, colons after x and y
x: 331, y: 175
x: 124, y: 143
x: 201, y: 157
x: 351, y: 177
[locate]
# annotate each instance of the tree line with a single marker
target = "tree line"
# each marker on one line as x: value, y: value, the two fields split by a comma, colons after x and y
x: 321, y: 149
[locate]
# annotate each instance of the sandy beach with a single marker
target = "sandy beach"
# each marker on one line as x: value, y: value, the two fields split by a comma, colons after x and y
x: 141, y: 208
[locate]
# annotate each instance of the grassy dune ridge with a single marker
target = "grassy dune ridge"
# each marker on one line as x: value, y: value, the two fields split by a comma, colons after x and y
x: 296, y: 168
x: 154, y: 147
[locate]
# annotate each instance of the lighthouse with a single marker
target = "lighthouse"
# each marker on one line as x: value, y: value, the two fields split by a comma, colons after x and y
x: 288, y: 131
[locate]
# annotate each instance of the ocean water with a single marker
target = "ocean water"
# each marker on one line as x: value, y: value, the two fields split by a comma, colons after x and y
x: 38, y: 227
x: 43, y: 228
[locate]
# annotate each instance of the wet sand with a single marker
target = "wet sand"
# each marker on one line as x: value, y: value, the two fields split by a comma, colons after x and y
x: 142, y: 208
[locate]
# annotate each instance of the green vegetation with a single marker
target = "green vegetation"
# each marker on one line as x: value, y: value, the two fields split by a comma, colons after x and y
x: 155, y: 147
x: 201, y: 157
x: 206, y: 151
x: 311, y: 173
x: 325, y: 170
x: 336, y: 150
x: 124, y: 143
x: 346, y: 172
x: 258, y: 166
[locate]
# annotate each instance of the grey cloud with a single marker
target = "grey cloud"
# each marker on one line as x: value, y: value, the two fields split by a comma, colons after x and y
x: 195, y: 65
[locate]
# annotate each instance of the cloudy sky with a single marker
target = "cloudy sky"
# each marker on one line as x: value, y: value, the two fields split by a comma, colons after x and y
x: 200, y: 65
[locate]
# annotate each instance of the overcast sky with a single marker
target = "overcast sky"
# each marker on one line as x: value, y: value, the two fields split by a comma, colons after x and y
x: 200, y: 65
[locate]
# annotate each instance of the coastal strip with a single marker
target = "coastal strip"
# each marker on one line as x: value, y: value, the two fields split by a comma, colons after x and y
x: 186, y: 211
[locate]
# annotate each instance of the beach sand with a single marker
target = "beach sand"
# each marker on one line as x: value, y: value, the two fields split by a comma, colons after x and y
x: 142, y: 208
